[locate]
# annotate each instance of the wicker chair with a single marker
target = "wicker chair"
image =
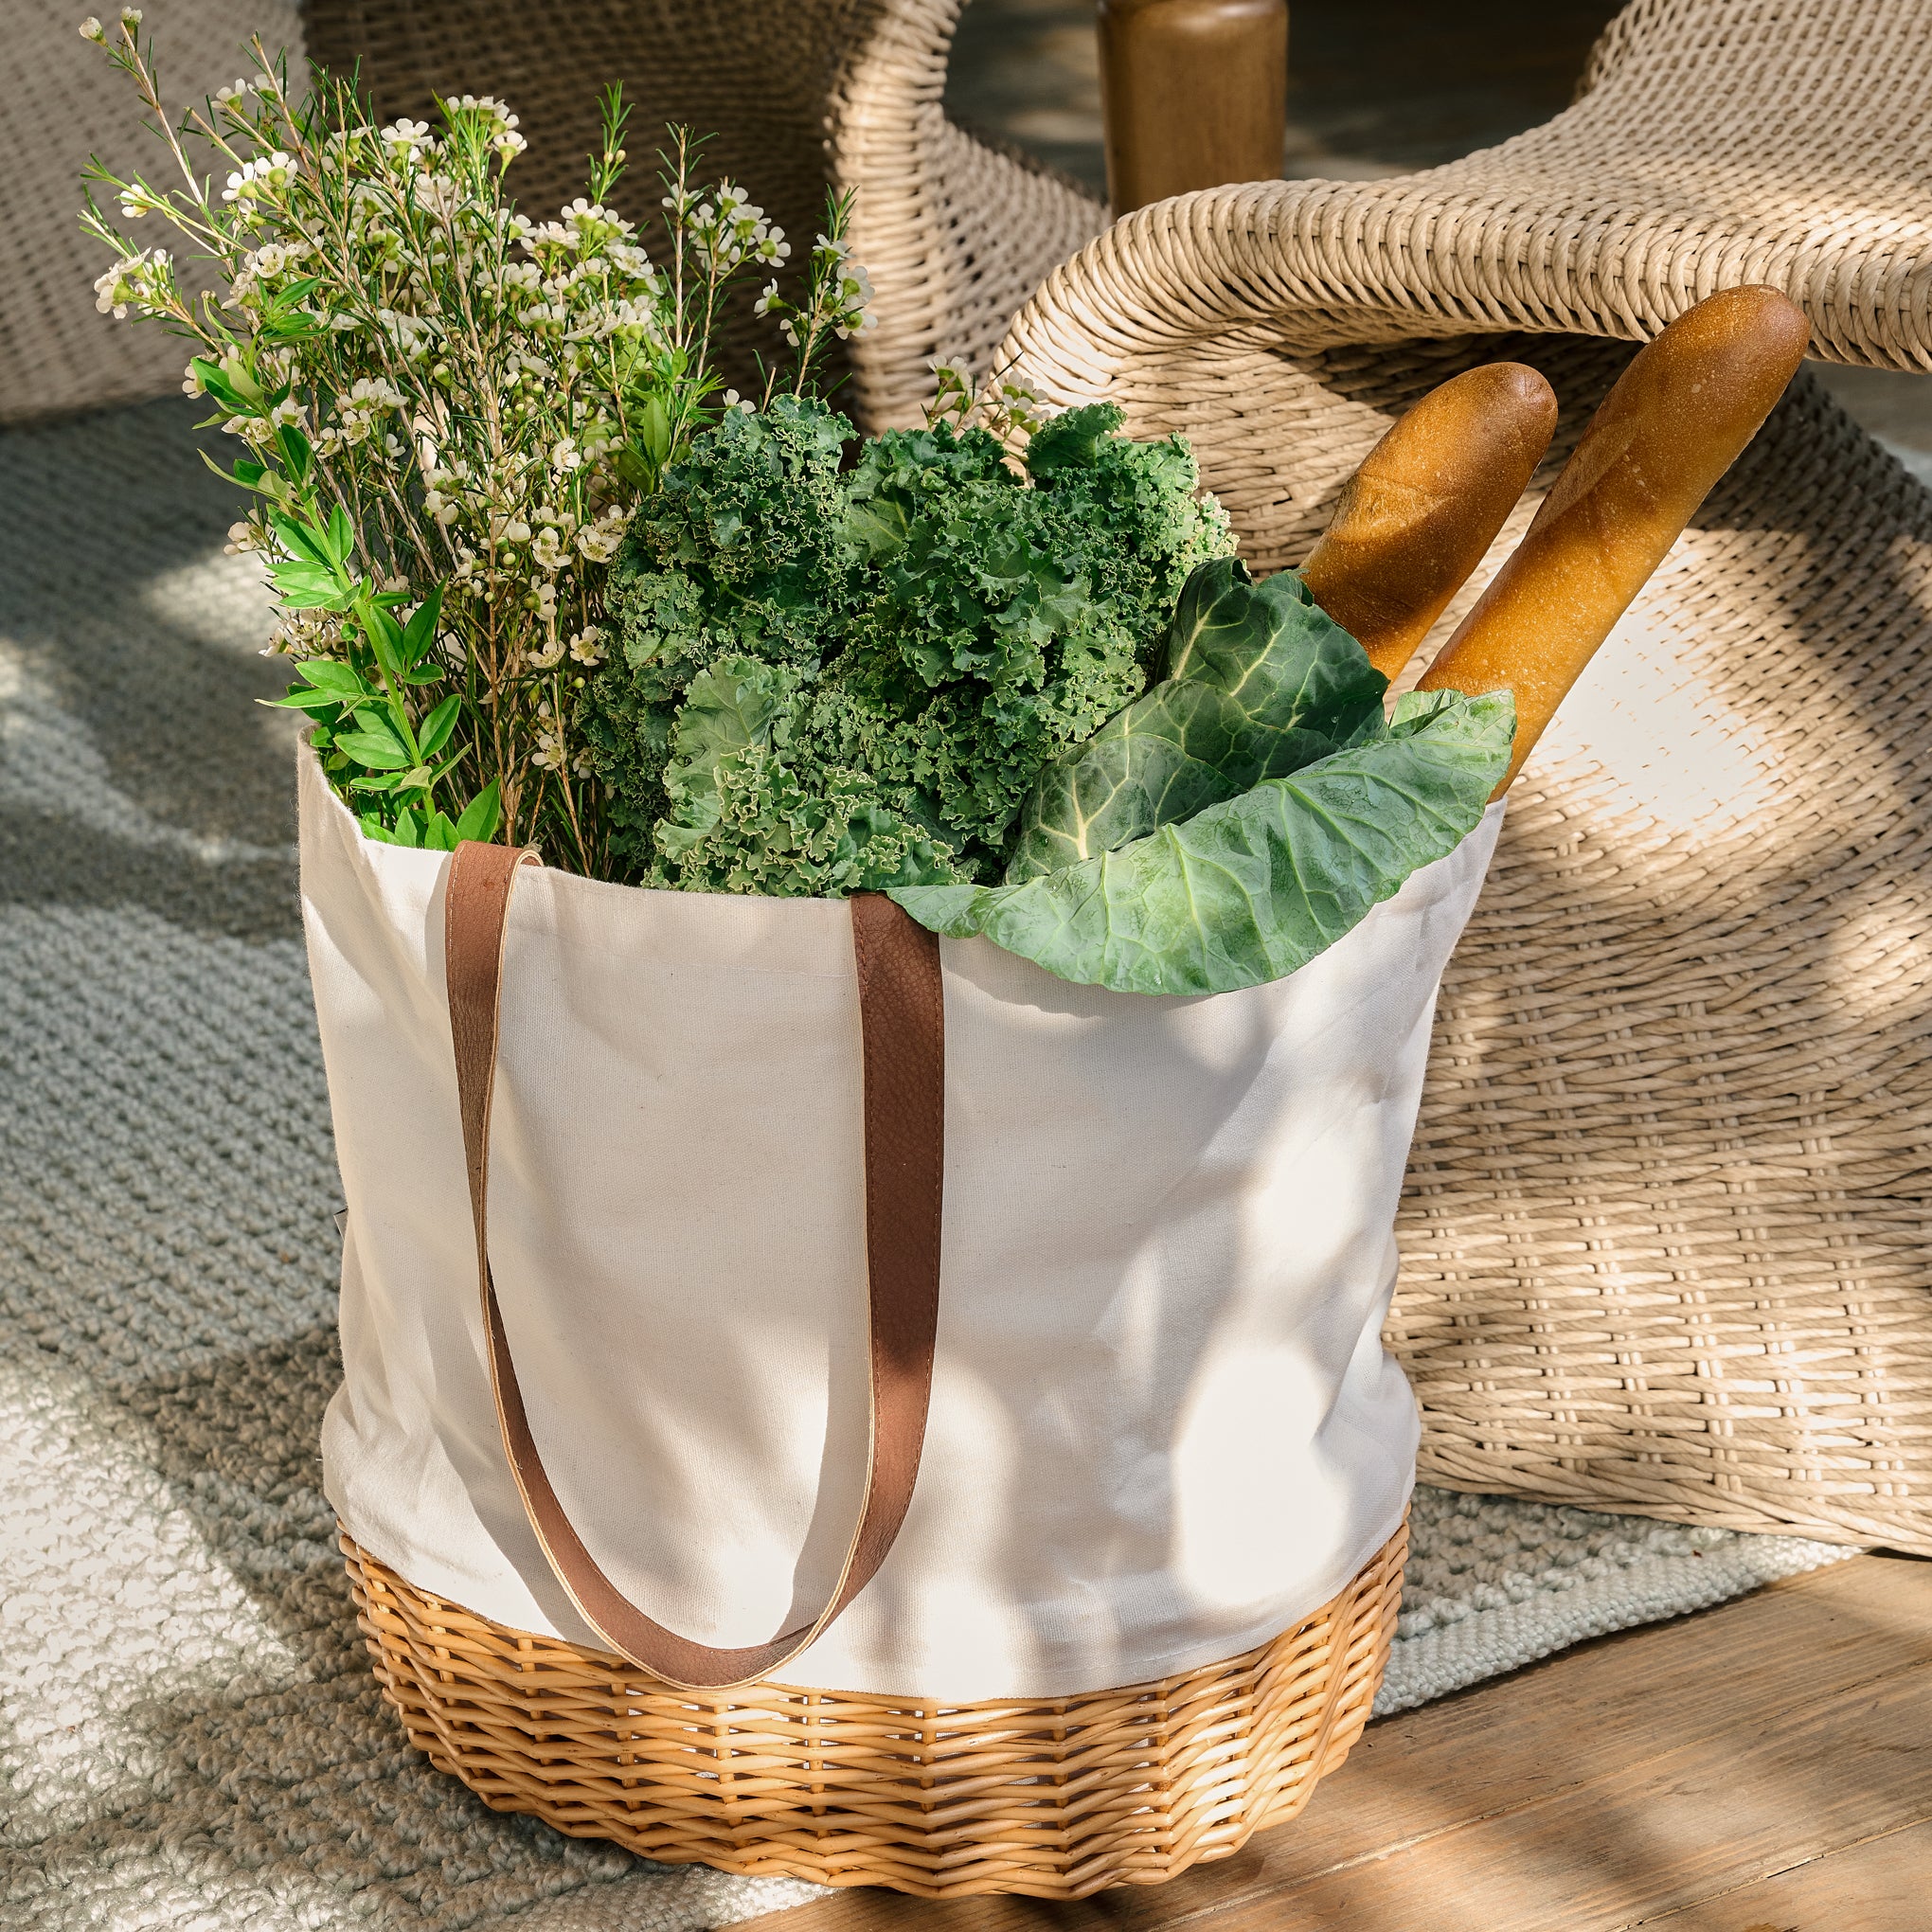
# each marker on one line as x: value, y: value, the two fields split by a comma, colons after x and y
x: 1665, y: 1241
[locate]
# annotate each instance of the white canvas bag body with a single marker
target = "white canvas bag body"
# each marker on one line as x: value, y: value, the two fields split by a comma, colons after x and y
x: 1162, y: 1424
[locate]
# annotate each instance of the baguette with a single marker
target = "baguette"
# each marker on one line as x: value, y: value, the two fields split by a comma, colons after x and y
x: 1676, y: 421
x: 1428, y: 500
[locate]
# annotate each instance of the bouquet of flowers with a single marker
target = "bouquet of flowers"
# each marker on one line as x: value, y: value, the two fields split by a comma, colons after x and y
x: 446, y: 412
x: 545, y: 579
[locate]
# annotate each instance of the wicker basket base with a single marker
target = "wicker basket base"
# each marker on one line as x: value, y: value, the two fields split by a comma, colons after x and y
x: 1055, y: 1797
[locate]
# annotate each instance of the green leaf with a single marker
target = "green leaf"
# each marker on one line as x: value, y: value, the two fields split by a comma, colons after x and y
x: 728, y: 708
x: 408, y: 832
x: 376, y: 747
x: 1261, y: 682
x: 300, y: 700
x: 328, y: 674
x: 306, y: 543
x: 340, y: 537
x: 1255, y: 887
x: 654, y: 432
x: 374, y: 829
x: 480, y: 815
x: 386, y: 638
x: 216, y: 382
x: 438, y: 726
x: 420, y: 631
x: 441, y: 834
x: 308, y: 587
x: 297, y: 453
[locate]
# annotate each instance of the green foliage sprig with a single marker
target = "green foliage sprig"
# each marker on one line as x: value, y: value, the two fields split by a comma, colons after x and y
x: 448, y: 411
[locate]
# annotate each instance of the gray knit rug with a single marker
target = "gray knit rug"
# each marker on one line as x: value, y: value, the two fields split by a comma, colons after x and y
x: 189, y: 1737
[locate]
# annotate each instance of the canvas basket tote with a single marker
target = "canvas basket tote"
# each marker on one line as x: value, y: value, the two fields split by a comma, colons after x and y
x: 1162, y: 1426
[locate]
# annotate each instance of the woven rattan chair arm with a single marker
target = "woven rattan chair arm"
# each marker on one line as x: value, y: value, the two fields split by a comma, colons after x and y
x: 1717, y: 142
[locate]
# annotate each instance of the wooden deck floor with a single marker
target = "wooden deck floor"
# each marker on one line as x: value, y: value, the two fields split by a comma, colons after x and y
x: 1764, y: 1767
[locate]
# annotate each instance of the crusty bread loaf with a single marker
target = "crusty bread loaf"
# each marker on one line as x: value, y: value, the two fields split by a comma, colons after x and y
x: 1428, y: 500
x: 1674, y: 424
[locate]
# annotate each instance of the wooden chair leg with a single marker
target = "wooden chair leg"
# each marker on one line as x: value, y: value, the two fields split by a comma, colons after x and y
x: 1194, y: 94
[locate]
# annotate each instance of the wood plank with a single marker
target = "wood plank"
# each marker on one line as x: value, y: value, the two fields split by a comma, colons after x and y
x: 1691, y: 1824
x: 1880, y: 1886
x: 1638, y: 1774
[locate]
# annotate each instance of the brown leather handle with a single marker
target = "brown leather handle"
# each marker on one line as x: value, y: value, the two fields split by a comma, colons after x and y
x: 902, y: 1027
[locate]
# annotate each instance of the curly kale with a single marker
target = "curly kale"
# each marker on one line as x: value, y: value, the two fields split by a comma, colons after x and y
x: 827, y: 680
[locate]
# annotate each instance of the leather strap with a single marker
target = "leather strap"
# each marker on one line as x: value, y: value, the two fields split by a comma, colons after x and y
x: 902, y: 1018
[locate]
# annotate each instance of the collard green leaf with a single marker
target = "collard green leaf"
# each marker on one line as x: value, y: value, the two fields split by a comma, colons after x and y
x: 1252, y: 888
x: 1261, y: 682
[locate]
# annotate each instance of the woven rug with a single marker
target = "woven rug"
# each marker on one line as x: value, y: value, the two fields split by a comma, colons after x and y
x: 189, y: 1736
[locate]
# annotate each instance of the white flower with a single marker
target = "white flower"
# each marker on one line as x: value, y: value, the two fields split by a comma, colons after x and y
x: 854, y: 301
x: 267, y: 173
x: 269, y: 260
x: 585, y: 648
x: 92, y: 29
x: 138, y: 199
x: 548, y: 551
x: 566, y: 457
x: 376, y: 391
x: 411, y: 334
x: 407, y: 141
x: 234, y: 94
x: 597, y: 543
x: 131, y: 16
x: 141, y: 281
x: 546, y: 657
x: 241, y: 539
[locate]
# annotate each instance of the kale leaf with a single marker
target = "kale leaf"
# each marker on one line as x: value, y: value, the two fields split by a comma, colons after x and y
x: 826, y: 680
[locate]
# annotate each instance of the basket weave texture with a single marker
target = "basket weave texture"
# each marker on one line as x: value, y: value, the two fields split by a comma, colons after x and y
x: 1055, y: 1799
x: 1666, y: 1233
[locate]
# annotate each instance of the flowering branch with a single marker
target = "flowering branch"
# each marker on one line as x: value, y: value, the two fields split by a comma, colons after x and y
x: 446, y: 413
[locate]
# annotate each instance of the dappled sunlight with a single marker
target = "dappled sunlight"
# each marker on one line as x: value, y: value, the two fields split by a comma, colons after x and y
x: 220, y: 599
x: 114, y: 1604
x: 1686, y: 758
